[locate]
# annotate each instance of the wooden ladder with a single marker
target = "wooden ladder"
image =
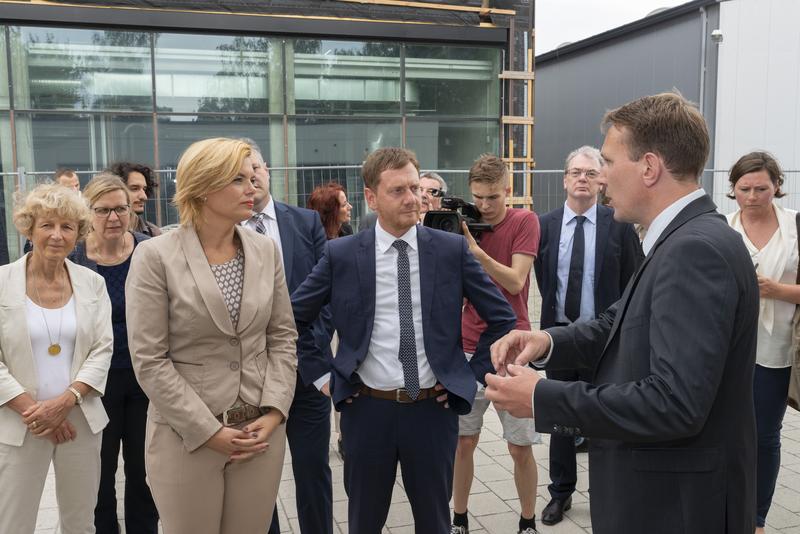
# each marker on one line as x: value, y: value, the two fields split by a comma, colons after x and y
x: 510, y: 123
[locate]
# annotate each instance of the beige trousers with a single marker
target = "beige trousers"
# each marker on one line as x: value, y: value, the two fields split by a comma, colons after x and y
x: 23, y: 471
x: 201, y: 492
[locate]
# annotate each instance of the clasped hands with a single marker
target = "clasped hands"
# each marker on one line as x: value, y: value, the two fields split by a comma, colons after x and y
x: 241, y: 444
x: 511, y: 389
x: 48, y: 419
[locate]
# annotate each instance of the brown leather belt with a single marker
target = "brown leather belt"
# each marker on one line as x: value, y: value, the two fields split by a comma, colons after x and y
x: 399, y: 395
x: 239, y: 414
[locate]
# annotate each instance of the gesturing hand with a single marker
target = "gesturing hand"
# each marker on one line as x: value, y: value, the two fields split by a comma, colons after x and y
x: 513, y: 392
x: 518, y: 347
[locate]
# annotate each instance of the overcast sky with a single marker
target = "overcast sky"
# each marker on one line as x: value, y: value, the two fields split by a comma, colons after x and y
x: 560, y: 21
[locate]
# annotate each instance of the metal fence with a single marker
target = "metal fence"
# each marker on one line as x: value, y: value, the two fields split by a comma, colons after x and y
x: 294, y: 185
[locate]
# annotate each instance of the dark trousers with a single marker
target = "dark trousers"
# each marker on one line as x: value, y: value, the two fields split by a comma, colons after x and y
x: 422, y: 437
x: 770, y: 389
x: 126, y: 405
x: 563, y: 466
x: 308, y: 431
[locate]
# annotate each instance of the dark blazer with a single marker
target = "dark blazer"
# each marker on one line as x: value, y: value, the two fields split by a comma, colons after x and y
x: 303, y: 243
x: 671, y: 408
x: 345, y: 278
x: 617, y: 256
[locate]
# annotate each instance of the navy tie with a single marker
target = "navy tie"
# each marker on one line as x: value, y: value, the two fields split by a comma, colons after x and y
x: 572, y: 302
x: 408, y: 341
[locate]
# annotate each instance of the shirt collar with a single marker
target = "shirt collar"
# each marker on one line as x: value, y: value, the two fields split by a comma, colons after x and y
x: 269, y: 209
x: 663, y: 219
x: 590, y: 214
x: 384, y: 239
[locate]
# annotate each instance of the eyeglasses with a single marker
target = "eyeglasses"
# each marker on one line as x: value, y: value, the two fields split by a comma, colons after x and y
x: 104, y: 212
x: 590, y: 173
x: 436, y: 193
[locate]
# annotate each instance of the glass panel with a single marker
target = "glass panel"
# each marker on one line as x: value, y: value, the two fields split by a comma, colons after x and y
x: 47, y: 141
x: 176, y: 133
x: 452, y: 80
x: 339, y: 147
x: 448, y: 146
x: 343, y: 77
x: 67, y: 68
x: 9, y: 238
x: 218, y: 73
x: 3, y: 70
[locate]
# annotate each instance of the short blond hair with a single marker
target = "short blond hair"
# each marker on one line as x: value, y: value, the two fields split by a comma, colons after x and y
x: 102, y: 184
x: 205, y: 167
x: 47, y: 200
x: 489, y: 169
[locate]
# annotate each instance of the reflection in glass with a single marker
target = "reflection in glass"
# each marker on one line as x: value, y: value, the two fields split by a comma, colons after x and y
x: 341, y: 143
x: 217, y: 73
x: 444, y: 145
x: 67, y: 68
x: 9, y: 238
x: 4, y: 103
x: 452, y: 80
x: 343, y: 77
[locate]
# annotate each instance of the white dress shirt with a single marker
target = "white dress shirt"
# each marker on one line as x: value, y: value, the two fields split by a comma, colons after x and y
x: 568, y: 225
x: 381, y: 368
x: 270, y: 221
x: 663, y: 219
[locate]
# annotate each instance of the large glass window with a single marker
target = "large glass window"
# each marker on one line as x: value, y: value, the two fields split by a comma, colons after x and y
x: 343, y: 77
x: 217, y: 73
x: 85, y: 142
x: 67, y: 68
x: 452, y: 80
x: 450, y: 145
x: 4, y: 102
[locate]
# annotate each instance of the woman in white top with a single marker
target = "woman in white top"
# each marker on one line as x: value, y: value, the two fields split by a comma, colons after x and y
x: 55, y: 350
x: 770, y: 234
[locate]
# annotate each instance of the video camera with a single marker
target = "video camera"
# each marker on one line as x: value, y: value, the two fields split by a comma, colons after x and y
x: 454, y: 211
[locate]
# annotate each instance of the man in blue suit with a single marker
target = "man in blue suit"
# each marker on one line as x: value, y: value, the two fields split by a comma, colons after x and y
x: 300, y: 238
x: 585, y: 261
x: 400, y: 377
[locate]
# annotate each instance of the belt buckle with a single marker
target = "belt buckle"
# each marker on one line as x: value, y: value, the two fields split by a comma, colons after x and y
x: 398, y: 398
x: 232, y: 416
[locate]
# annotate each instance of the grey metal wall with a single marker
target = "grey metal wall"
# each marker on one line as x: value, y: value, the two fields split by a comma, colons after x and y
x: 575, y: 90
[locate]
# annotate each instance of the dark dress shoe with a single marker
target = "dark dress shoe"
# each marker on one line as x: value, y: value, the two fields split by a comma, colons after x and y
x: 554, y: 511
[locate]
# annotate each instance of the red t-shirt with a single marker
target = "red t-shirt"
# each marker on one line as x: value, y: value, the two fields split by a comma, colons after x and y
x: 517, y: 233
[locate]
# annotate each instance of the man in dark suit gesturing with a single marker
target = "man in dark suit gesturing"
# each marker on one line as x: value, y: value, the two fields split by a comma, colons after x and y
x: 669, y: 408
x: 400, y: 377
x: 585, y: 261
x: 300, y: 238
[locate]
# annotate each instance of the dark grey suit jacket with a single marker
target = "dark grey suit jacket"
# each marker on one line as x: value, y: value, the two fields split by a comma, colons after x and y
x: 671, y: 404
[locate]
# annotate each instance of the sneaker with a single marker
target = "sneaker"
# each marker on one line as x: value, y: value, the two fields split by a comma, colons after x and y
x: 459, y: 530
x: 528, y: 530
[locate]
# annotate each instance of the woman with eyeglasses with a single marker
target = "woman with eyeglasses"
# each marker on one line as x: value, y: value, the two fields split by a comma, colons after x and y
x: 107, y: 250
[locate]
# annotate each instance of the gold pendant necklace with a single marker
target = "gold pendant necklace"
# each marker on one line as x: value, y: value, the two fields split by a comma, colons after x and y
x: 55, y: 348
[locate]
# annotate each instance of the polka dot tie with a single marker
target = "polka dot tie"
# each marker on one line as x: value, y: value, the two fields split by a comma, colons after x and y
x: 408, y: 342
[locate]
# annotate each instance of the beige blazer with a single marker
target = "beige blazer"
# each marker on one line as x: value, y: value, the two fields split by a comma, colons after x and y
x: 94, y: 344
x: 187, y: 356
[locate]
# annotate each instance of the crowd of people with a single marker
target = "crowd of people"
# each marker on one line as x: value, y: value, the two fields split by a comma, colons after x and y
x: 666, y: 337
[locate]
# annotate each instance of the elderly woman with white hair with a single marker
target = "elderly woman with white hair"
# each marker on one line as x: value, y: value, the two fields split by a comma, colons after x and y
x: 55, y: 351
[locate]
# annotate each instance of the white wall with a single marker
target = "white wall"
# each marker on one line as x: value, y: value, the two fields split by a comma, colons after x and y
x: 758, y: 90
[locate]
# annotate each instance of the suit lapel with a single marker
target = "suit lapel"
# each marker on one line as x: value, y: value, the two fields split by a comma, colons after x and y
x: 254, y: 271
x: 427, y: 271
x: 695, y: 208
x: 12, y: 307
x: 204, y: 279
x: 554, y: 231
x: 601, y: 238
x: 287, y: 230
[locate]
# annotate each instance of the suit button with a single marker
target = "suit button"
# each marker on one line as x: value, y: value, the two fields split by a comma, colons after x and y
x: 234, y: 341
x: 555, y: 428
x: 234, y: 366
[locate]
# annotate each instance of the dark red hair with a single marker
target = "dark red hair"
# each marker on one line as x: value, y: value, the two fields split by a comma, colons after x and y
x: 325, y: 200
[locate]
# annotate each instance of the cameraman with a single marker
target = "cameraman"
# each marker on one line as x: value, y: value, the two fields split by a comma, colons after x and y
x: 507, y: 255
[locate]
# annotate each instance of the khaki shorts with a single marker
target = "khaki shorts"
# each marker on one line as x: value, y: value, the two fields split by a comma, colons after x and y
x: 516, y: 431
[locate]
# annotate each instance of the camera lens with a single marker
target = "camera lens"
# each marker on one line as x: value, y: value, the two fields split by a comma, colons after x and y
x: 448, y: 225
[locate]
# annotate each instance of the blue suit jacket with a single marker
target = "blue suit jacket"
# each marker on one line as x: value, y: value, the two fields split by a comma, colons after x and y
x: 303, y: 243
x: 345, y: 279
x: 617, y: 256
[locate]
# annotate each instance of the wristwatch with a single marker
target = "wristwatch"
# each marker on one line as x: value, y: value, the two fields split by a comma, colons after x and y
x: 78, y: 396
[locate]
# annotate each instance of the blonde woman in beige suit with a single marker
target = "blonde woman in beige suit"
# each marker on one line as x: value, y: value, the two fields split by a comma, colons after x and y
x: 55, y: 349
x: 212, y: 340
